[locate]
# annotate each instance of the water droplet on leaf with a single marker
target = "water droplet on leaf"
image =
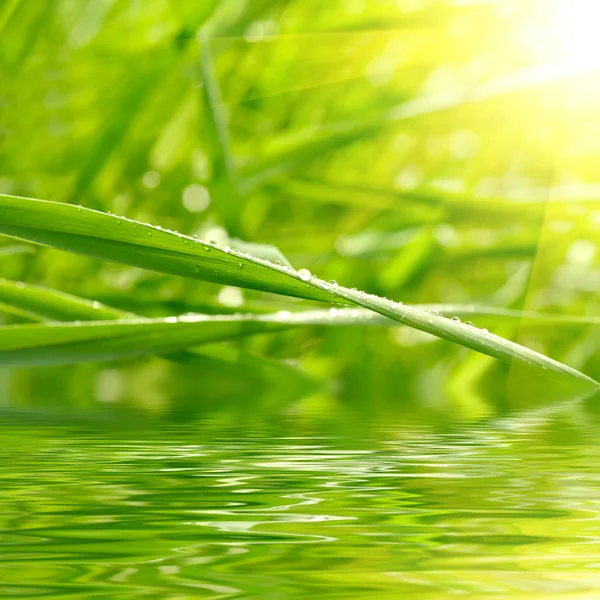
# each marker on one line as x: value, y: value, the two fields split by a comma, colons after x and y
x: 304, y: 274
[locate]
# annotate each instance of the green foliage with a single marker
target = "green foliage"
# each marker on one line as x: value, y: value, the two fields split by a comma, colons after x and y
x: 333, y: 137
x: 118, y: 239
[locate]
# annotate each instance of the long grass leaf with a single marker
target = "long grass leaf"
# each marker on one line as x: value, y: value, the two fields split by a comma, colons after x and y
x: 42, y: 303
x: 55, y: 305
x: 37, y: 303
x: 120, y: 240
x: 65, y: 343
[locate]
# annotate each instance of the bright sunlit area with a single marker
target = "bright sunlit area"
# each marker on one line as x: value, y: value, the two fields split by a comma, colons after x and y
x: 577, y: 23
x: 299, y: 299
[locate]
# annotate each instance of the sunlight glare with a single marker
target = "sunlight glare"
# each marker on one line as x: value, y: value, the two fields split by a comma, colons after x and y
x: 578, y: 24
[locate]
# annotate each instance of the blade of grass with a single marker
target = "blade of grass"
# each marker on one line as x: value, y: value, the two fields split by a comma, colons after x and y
x: 298, y: 154
x: 41, y: 303
x: 15, y: 249
x: 93, y: 233
x: 15, y: 311
x: 7, y: 11
x: 121, y: 240
x: 66, y: 343
x: 223, y: 186
x: 54, y: 305
x: 36, y: 303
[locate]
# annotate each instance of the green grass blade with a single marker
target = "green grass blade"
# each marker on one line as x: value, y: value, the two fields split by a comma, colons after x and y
x: 41, y: 303
x: 54, y: 305
x: 19, y: 313
x: 224, y: 188
x: 7, y: 11
x: 15, y: 249
x: 66, y: 343
x: 118, y: 239
x: 37, y: 303
x: 93, y: 233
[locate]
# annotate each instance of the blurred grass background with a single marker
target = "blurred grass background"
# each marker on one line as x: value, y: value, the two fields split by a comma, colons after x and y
x: 422, y: 150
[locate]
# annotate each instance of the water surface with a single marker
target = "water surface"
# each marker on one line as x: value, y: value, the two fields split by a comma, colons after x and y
x: 208, y: 509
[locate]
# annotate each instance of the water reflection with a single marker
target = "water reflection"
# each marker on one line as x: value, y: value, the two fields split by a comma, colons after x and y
x: 206, y: 510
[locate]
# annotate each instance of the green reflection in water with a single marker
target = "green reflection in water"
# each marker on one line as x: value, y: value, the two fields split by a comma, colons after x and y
x: 207, y: 510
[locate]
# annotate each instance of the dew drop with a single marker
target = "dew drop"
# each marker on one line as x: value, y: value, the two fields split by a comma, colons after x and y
x: 431, y: 321
x: 278, y: 263
x: 435, y: 313
x: 333, y: 282
x: 227, y: 249
x: 207, y: 248
x: 484, y: 331
x: 304, y: 274
x: 456, y: 319
x: 149, y: 233
x: 241, y: 265
x: 469, y: 323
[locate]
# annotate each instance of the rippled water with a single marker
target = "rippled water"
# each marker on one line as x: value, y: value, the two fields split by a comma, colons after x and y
x: 208, y: 510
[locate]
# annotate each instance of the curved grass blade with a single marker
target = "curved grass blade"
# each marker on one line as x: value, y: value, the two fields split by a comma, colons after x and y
x: 15, y: 249
x: 121, y: 240
x: 55, y: 305
x: 542, y: 318
x: 15, y: 311
x: 117, y: 239
x: 66, y: 343
x: 40, y: 303
x: 37, y: 303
